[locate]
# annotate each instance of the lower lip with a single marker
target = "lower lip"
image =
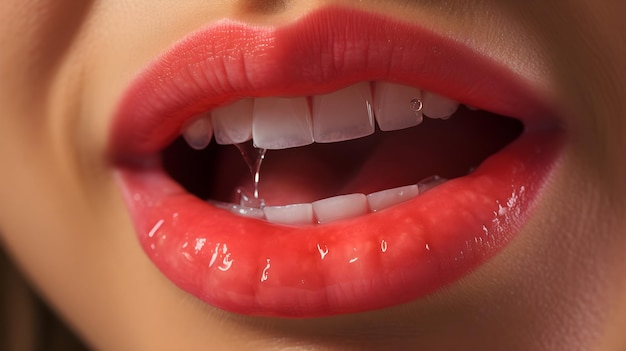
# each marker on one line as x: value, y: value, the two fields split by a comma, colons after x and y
x: 370, y: 262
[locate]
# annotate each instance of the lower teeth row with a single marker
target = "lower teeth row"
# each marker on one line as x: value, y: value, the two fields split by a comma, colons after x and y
x: 326, y: 210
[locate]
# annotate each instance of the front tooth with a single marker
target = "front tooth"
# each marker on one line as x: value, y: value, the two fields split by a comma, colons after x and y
x: 340, y: 207
x: 392, y: 106
x: 198, y: 132
x: 291, y: 214
x: 280, y: 123
x: 387, y: 198
x: 437, y: 106
x: 343, y: 115
x: 232, y: 124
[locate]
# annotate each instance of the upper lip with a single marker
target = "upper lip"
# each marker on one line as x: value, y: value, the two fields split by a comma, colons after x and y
x: 199, y: 73
x: 427, y: 242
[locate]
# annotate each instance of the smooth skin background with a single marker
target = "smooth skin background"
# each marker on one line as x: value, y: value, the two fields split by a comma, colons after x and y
x: 561, y: 285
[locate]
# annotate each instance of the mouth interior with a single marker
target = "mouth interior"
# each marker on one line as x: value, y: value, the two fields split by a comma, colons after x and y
x: 447, y: 148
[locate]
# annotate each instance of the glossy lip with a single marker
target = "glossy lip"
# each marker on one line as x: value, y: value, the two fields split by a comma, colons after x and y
x: 373, y: 261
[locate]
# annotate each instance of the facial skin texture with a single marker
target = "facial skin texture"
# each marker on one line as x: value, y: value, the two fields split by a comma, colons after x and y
x: 559, y: 286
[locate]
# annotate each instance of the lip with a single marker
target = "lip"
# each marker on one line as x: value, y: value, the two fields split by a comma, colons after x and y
x: 379, y: 260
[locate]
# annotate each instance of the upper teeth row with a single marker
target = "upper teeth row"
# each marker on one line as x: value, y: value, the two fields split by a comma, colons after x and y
x: 349, y: 113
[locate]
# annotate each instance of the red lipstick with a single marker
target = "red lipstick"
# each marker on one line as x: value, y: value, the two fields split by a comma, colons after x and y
x: 369, y: 262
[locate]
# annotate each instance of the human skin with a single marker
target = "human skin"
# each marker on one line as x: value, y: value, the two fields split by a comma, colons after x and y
x: 559, y: 285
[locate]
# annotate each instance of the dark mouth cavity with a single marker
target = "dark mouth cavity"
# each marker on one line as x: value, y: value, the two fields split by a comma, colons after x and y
x: 447, y: 148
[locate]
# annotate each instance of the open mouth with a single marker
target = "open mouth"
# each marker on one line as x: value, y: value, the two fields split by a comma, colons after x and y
x: 318, y: 159
x: 373, y: 191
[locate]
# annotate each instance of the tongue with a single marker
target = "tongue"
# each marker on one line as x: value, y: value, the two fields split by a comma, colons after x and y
x: 378, y: 162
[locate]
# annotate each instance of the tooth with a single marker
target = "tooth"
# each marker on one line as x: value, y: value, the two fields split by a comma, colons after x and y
x: 290, y: 214
x: 340, y: 207
x: 280, y: 123
x: 343, y: 115
x: 247, y: 199
x: 240, y: 210
x: 392, y: 106
x: 198, y: 132
x: 232, y: 124
x: 428, y: 183
x: 387, y: 198
x: 437, y: 106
